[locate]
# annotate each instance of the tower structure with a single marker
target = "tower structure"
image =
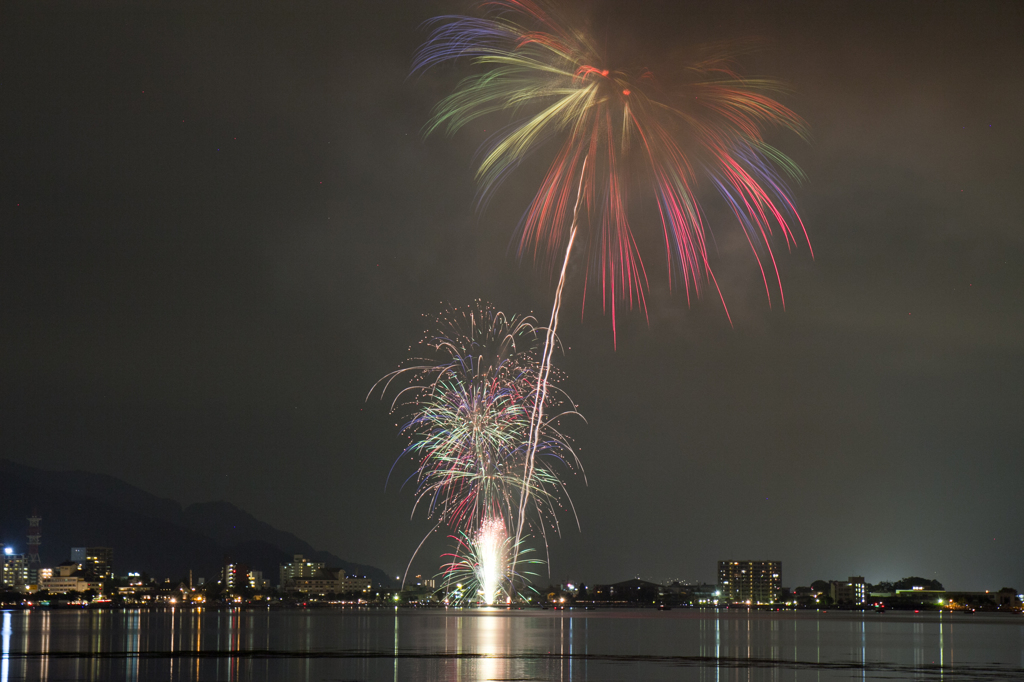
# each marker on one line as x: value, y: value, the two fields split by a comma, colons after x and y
x: 35, y: 533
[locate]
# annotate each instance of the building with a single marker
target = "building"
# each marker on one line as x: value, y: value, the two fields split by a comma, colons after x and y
x: 751, y: 582
x: 852, y: 591
x: 97, y: 562
x: 237, y: 576
x: 67, y: 577
x: 922, y: 597
x: 135, y: 586
x: 35, y: 533
x: 633, y: 591
x: 694, y: 595
x: 299, y: 568
x: 15, y: 573
x: 363, y: 586
x: 314, y: 577
x: 1009, y: 599
x: 64, y: 584
x: 324, y: 581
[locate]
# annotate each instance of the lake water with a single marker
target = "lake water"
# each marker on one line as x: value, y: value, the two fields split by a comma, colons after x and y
x: 478, y: 644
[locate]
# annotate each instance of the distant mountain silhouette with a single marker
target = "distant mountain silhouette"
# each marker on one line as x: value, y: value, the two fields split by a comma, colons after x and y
x: 148, y: 533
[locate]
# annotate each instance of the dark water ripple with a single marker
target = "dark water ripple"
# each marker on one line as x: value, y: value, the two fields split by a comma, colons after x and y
x: 877, y: 670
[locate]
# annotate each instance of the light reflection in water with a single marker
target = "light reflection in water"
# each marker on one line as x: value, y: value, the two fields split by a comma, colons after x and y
x: 492, y: 642
x: 198, y: 620
x: 718, y: 646
x: 5, y: 661
x: 396, y: 644
x: 919, y: 653
x: 44, y: 665
x: 570, y: 646
x: 499, y: 644
x: 942, y: 648
x: 172, y: 643
x: 863, y: 650
x: 458, y: 649
x: 132, y: 634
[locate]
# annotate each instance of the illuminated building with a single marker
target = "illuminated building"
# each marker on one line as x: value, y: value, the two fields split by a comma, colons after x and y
x: 235, y: 576
x: 852, y: 591
x: 299, y: 568
x: 96, y: 562
x: 364, y: 585
x: 64, y: 584
x: 753, y: 582
x: 15, y: 569
x: 67, y: 577
x: 314, y: 577
x: 324, y: 581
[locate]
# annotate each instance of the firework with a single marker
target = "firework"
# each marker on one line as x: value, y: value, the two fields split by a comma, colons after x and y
x: 480, y: 569
x: 615, y: 131
x: 470, y: 401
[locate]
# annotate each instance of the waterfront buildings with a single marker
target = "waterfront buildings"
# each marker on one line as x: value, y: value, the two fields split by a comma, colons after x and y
x: 852, y: 591
x: 96, y: 562
x: 68, y: 577
x: 324, y: 581
x: 314, y: 577
x: 300, y: 568
x: 751, y: 582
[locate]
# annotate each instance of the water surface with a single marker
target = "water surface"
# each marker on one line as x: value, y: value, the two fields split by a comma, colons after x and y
x: 373, y: 645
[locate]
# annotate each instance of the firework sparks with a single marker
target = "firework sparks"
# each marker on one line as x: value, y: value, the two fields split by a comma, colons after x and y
x: 613, y: 128
x: 470, y: 401
x: 616, y: 132
x: 480, y: 569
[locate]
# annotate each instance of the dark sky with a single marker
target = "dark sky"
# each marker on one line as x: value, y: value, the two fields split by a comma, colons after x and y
x: 221, y: 224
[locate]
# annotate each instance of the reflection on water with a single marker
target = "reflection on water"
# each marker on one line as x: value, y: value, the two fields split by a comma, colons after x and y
x: 495, y: 644
x: 5, y: 658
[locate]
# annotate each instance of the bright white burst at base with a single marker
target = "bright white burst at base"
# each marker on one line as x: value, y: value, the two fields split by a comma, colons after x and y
x: 490, y: 548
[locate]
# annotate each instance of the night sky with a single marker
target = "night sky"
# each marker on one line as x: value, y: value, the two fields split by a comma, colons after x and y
x: 220, y: 224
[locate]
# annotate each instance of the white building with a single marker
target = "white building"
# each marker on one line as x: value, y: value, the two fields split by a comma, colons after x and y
x: 15, y: 573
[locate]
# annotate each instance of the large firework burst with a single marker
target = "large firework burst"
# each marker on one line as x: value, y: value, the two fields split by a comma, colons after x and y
x: 617, y: 131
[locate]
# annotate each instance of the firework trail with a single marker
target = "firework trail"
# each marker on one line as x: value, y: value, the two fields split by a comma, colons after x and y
x: 615, y: 131
x: 470, y: 402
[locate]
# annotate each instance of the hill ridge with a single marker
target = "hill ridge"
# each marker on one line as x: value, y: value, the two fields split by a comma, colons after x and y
x: 148, y: 533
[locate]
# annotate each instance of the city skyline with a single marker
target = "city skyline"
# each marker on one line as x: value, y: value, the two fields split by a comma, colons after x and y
x: 770, y: 571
